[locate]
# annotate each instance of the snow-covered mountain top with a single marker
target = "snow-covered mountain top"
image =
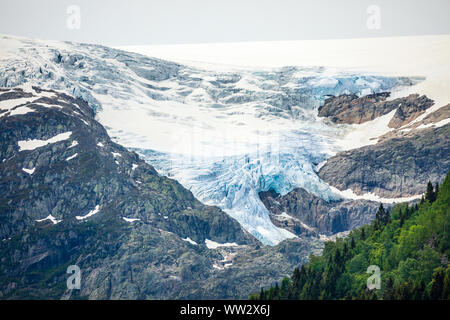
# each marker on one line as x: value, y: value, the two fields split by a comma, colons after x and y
x: 192, y: 111
x: 427, y: 56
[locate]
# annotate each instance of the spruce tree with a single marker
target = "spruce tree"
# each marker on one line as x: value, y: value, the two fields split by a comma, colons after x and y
x: 363, y: 233
x: 295, y: 277
x: 389, y: 289
x: 382, y: 217
x: 352, y: 243
x: 446, y: 288
x: 276, y: 292
x: 386, y: 217
x: 285, y: 288
x: 437, y: 284
x: 345, y: 252
x: 407, y: 212
x: 419, y: 291
x: 402, y: 216
x: 429, y: 195
x: 262, y: 295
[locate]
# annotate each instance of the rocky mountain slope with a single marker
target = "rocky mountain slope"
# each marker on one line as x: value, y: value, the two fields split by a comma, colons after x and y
x: 400, y: 164
x: 351, y: 108
x: 398, y: 167
x: 303, y: 213
x: 404, y: 159
x: 69, y: 195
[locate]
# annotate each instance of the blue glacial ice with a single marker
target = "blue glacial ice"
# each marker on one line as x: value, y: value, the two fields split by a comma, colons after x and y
x: 226, y: 136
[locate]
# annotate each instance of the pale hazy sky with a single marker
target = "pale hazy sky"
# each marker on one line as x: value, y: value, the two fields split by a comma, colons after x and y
x: 138, y: 22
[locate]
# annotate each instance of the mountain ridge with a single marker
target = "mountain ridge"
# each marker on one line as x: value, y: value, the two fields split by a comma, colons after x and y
x: 88, y: 201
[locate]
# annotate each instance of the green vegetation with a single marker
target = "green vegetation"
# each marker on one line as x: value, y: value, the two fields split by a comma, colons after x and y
x: 410, y: 245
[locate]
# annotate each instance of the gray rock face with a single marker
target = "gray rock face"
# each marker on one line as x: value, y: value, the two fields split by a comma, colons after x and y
x: 322, y: 217
x: 353, y: 109
x: 349, y: 108
x: 436, y: 116
x: 410, y: 108
x: 403, y: 161
x: 89, y: 185
x: 396, y: 167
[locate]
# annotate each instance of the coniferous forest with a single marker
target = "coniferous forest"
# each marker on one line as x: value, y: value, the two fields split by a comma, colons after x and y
x: 409, y: 243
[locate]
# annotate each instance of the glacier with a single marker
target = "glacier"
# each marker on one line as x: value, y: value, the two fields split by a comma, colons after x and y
x: 224, y: 135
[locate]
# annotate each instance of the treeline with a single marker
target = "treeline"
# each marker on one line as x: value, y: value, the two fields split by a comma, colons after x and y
x: 410, y: 245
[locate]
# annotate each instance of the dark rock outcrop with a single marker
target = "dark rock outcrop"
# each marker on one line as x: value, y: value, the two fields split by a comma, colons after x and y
x: 352, y: 109
x: 414, y: 128
x: 349, y: 108
x: 409, y: 109
x: 438, y: 115
x: 302, y: 212
x: 395, y: 167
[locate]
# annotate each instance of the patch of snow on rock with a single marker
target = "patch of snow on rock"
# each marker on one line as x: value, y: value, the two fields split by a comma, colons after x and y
x: 29, y: 171
x: 190, y: 241
x: 51, y: 218
x: 131, y: 219
x: 91, y: 213
x: 74, y: 144
x: 20, y: 111
x: 214, y: 245
x: 71, y: 157
x: 36, y: 143
x: 349, y: 194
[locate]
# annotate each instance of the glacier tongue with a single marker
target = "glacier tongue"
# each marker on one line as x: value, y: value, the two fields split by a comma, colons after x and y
x: 233, y: 182
x: 226, y: 136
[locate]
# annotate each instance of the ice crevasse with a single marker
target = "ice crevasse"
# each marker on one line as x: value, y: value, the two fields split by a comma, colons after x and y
x: 226, y: 136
